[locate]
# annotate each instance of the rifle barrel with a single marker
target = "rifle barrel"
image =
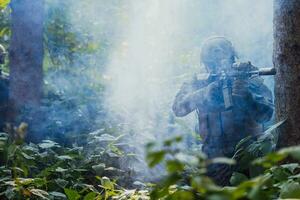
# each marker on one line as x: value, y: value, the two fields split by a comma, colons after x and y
x: 267, y: 71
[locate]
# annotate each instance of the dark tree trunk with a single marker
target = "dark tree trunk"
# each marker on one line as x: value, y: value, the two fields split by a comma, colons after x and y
x: 26, y: 54
x: 286, y: 59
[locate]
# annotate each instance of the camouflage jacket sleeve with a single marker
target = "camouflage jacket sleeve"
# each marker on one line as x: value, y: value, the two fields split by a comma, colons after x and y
x: 190, y: 96
x: 262, y: 107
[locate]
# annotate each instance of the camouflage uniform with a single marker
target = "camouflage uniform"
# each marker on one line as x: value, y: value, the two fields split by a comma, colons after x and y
x: 222, y: 129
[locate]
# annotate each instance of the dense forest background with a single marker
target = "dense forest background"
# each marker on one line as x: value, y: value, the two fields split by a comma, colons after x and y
x: 90, y: 47
x: 90, y: 94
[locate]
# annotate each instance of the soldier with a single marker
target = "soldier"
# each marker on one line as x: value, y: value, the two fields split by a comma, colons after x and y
x: 220, y: 128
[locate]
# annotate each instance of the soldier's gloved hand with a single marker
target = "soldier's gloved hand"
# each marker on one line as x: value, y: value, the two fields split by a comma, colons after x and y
x: 241, y: 95
x: 243, y: 66
x: 214, y: 97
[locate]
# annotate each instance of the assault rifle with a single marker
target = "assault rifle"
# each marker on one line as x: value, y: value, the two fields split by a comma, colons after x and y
x: 238, y: 71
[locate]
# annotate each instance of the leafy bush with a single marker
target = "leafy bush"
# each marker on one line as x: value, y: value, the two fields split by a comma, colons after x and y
x: 186, y: 178
x: 4, y: 3
x: 49, y: 171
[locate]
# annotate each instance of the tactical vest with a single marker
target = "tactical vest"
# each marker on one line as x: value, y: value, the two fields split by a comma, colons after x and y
x: 221, y: 131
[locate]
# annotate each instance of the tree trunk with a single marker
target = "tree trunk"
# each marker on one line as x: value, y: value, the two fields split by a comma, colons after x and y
x: 26, y: 54
x: 286, y: 57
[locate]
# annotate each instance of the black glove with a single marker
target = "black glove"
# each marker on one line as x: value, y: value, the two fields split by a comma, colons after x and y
x: 243, y: 66
x: 241, y: 95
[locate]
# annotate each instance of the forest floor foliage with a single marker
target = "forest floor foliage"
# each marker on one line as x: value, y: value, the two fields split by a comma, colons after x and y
x: 48, y: 170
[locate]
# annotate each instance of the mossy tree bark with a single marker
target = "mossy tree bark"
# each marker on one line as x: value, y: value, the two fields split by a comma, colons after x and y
x: 286, y: 57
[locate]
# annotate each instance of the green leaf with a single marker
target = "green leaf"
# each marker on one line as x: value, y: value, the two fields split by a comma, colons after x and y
x: 99, y: 169
x: 27, y: 156
x: 257, y: 193
x: 188, y: 159
x: 292, y: 151
x: 172, y: 179
x: 61, y: 182
x: 10, y: 193
x: 17, y: 169
x: 270, y: 159
x: 58, y: 194
x: 90, y: 196
x: 291, y: 166
x: 59, y: 169
x: 154, y: 158
x: 270, y: 132
x: 72, y: 194
x: 3, y: 135
x: 186, y: 195
x: 237, y: 178
x: 11, y: 150
x: 106, y: 183
x: 105, y: 138
x: 174, y: 166
x: 266, y: 147
x: 280, y: 174
x: 4, y: 3
x: 40, y: 193
x: 290, y: 189
x: 243, y: 142
x: 39, y: 182
x: 47, y: 144
x: 223, y: 160
x: 150, y: 146
x: 65, y: 157
x: 171, y: 141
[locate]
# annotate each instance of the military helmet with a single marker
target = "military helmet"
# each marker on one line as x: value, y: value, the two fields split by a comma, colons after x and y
x: 2, y: 54
x: 215, y: 50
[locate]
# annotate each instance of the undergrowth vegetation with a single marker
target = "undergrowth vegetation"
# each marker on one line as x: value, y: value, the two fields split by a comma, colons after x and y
x: 269, y: 179
x: 48, y: 170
